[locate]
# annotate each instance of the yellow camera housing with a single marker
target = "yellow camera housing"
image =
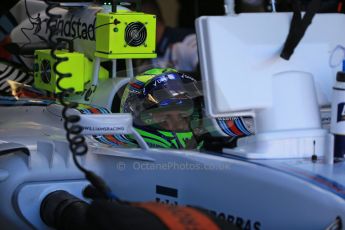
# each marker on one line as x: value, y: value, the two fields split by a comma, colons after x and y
x: 125, y: 34
x: 77, y: 65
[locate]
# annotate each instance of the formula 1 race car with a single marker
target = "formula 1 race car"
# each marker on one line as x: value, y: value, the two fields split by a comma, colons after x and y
x: 286, y: 173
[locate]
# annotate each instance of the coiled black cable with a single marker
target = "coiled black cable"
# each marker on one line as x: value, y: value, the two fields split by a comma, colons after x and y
x: 77, y: 142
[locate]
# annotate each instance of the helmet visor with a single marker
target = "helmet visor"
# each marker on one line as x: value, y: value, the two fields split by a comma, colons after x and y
x: 170, y: 88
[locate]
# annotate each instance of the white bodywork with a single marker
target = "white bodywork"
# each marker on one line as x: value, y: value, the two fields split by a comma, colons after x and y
x: 253, y: 194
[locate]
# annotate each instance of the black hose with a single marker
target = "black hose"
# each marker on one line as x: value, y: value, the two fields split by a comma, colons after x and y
x: 63, y: 211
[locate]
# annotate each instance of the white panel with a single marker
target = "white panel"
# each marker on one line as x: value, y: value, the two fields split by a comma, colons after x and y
x: 239, y: 55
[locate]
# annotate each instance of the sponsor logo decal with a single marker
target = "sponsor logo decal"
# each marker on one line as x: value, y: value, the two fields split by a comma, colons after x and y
x: 73, y: 27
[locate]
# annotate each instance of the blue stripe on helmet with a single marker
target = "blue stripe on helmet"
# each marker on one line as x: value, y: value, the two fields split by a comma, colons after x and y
x: 225, y: 128
x: 241, y: 126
